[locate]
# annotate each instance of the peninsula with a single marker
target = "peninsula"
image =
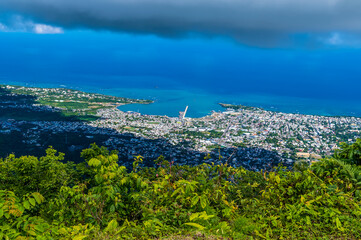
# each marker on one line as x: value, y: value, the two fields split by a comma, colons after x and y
x: 71, y: 103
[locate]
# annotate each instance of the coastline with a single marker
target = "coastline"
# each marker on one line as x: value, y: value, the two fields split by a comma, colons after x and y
x: 241, y: 106
x: 170, y: 101
x: 248, y: 127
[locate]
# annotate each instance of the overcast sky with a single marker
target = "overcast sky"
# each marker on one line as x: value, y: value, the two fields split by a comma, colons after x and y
x: 266, y: 23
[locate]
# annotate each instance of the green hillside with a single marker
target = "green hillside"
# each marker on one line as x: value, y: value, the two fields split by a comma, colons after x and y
x: 44, y: 198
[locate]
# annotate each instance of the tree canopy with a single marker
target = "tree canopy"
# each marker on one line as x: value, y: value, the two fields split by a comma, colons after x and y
x: 46, y: 198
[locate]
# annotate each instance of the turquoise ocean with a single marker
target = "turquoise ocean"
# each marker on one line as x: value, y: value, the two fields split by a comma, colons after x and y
x: 170, y: 100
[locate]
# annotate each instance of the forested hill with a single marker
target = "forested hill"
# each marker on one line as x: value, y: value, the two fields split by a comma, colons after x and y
x: 46, y: 198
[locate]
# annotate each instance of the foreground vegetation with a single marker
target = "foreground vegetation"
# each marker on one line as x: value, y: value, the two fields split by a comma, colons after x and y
x: 44, y: 198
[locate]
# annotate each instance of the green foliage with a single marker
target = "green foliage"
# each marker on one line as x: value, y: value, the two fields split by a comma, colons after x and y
x: 350, y: 153
x: 31, y: 174
x: 99, y: 199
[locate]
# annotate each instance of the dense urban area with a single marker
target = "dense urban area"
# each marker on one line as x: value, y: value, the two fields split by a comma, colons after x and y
x: 241, y: 136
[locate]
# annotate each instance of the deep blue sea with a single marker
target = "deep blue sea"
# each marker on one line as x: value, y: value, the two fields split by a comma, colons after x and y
x: 169, y: 101
x: 194, y: 72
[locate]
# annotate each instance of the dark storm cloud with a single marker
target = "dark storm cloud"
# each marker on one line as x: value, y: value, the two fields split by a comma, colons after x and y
x: 259, y: 22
